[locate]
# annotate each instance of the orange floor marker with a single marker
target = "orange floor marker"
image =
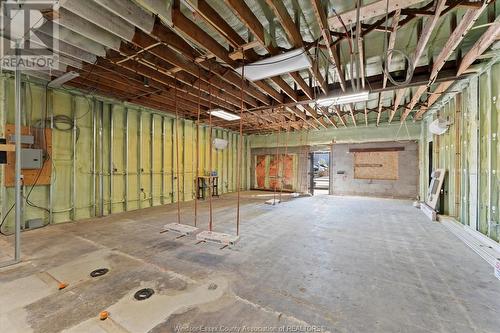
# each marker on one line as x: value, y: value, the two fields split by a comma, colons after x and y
x: 103, y: 315
x: 62, y: 285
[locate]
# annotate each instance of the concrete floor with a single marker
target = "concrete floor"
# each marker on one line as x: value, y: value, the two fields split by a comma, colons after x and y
x: 341, y: 264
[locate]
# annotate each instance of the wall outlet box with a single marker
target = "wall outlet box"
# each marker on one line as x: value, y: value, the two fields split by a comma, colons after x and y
x: 34, y: 223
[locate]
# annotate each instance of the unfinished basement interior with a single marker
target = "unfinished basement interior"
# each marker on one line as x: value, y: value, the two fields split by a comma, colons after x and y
x: 249, y: 166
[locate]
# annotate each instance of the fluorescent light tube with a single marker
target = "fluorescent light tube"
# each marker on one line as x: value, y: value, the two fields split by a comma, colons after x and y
x: 56, y: 83
x: 360, y: 96
x: 287, y: 62
x: 224, y: 114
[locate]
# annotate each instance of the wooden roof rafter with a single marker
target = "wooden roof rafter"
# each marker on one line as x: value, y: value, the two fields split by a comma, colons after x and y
x: 468, y: 19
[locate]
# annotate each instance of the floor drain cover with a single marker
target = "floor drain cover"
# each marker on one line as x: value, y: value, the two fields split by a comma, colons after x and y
x: 212, y: 286
x: 144, y: 294
x: 99, y: 272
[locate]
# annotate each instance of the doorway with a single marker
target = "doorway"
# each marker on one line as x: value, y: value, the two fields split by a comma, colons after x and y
x: 319, y: 172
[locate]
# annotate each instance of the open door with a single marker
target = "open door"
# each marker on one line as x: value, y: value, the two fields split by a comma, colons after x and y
x: 311, y: 173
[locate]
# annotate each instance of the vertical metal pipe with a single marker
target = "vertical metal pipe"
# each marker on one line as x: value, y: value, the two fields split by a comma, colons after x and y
x: 183, y: 160
x: 111, y: 167
x: 139, y: 159
x: 151, y: 157
x: 94, y: 157
x: 3, y: 111
x: 48, y: 106
x: 101, y: 159
x: 162, y: 197
x: 73, y: 159
x: 19, y: 212
x: 172, y: 176
x: 125, y: 156
x: 177, y: 158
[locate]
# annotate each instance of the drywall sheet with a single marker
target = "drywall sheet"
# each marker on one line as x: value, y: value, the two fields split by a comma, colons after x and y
x: 381, y: 165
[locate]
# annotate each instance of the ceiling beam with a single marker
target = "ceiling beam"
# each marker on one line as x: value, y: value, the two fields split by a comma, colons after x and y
x: 374, y: 9
x: 390, y: 47
x: 295, y: 37
x: 246, y: 15
x: 458, y: 34
x: 187, y: 27
x: 424, y: 37
x: 321, y: 18
x: 481, y: 45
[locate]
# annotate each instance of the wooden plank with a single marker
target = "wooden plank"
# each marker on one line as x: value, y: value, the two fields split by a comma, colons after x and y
x: 481, y: 45
x: 7, y: 147
x: 468, y: 19
x: 386, y: 168
x: 424, y: 37
x: 295, y: 37
x: 374, y: 9
x: 370, y: 150
x: 390, y: 48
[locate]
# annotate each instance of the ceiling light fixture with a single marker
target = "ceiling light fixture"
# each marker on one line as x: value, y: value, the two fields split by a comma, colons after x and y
x: 58, y: 82
x: 360, y: 96
x: 287, y: 62
x: 224, y: 115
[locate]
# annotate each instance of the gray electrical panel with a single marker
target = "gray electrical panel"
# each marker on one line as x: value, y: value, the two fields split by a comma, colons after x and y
x: 25, y: 139
x: 31, y: 158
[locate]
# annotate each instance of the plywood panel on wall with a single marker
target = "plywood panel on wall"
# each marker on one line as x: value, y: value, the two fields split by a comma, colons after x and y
x: 30, y: 176
x: 272, y: 172
x: 381, y: 165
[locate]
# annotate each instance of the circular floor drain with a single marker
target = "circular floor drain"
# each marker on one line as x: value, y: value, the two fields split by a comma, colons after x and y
x: 144, y: 294
x: 99, y: 272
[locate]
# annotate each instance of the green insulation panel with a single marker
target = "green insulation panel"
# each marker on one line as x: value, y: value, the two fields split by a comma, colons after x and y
x: 469, y: 151
x: 118, y: 156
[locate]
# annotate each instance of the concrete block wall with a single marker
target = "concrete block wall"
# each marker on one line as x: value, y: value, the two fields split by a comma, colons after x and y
x: 406, y: 187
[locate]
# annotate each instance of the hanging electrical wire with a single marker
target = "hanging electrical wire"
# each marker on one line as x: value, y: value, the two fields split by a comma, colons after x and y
x: 211, y: 176
x: 240, y: 147
x: 177, y: 153
x: 283, y: 159
x: 276, y: 163
x: 197, y: 149
x: 388, y: 54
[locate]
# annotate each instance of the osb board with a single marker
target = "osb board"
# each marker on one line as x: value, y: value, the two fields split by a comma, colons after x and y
x: 29, y: 176
x: 274, y: 171
x: 272, y: 168
x: 382, y: 165
x: 287, y: 172
x: 260, y: 171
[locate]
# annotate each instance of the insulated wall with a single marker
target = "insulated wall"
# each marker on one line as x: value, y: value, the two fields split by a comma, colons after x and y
x: 118, y: 157
x: 469, y: 151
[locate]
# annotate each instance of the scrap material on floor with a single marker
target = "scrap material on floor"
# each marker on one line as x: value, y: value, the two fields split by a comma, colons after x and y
x: 217, y: 237
x: 182, y: 229
x: 273, y: 201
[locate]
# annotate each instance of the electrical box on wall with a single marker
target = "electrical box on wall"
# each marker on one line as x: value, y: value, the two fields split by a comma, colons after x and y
x: 35, y: 168
x: 31, y: 158
x: 25, y: 139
